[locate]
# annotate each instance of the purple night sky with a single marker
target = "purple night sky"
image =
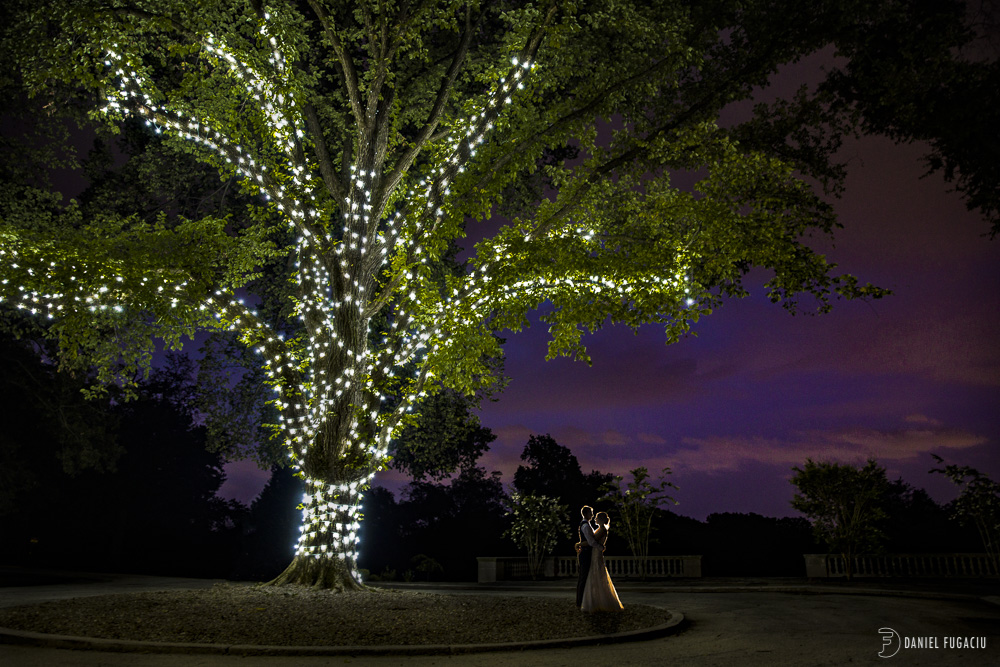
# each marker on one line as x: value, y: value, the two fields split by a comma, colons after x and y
x: 757, y: 391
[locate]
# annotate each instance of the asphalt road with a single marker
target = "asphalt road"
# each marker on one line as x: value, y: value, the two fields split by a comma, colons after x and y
x: 726, y: 625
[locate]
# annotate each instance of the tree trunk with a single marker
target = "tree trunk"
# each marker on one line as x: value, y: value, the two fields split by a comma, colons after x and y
x: 848, y: 563
x: 326, y: 572
x: 535, y: 557
x: 326, y: 555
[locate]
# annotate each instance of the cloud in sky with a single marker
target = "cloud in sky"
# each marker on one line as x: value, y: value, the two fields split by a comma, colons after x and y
x: 739, y: 473
x: 728, y: 453
x: 922, y: 419
x: 616, y: 451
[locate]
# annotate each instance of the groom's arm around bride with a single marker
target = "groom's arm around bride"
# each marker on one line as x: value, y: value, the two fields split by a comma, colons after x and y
x: 584, y: 550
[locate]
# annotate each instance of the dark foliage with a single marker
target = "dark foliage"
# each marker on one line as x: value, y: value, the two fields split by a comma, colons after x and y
x: 151, y: 510
x: 738, y: 544
x: 451, y: 524
x: 552, y: 470
x: 447, y: 437
x: 381, y: 534
x: 676, y: 535
x: 921, y: 71
x: 50, y: 430
x: 917, y: 524
x: 101, y: 486
x: 271, y: 528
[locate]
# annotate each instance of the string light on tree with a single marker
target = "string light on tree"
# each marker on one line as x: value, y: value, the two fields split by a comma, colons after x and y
x: 371, y: 151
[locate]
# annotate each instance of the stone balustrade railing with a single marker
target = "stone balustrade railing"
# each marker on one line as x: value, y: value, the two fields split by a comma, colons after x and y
x: 821, y: 566
x: 492, y: 569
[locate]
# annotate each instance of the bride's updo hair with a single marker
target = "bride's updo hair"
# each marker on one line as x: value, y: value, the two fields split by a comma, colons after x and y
x: 602, y: 518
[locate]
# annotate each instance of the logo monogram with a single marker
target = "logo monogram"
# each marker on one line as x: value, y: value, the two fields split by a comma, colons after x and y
x: 890, y: 642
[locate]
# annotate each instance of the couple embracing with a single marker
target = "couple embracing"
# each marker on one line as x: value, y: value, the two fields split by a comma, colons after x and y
x: 594, y: 590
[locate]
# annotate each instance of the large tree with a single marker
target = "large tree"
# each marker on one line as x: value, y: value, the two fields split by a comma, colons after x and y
x: 845, y: 503
x: 637, y: 503
x: 978, y: 504
x: 368, y: 135
x: 549, y: 469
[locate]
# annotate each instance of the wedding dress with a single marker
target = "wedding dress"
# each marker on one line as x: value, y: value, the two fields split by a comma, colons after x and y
x: 600, y: 594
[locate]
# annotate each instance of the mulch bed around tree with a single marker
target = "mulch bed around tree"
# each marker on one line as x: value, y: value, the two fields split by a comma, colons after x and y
x: 294, y: 616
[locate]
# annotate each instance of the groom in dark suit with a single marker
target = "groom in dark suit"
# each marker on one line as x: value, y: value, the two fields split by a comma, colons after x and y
x: 585, y: 550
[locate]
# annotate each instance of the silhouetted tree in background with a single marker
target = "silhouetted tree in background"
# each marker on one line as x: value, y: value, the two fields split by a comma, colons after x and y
x: 163, y: 499
x: 49, y: 431
x: 450, y: 524
x: 677, y: 535
x: 384, y: 553
x: 271, y: 528
x: 635, y: 503
x: 552, y: 470
x: 447, y: 437
x: 153, y: 509
x: 916, y: 523
x: 845, y: 503
x: 748, y: 544
x: 106, y: 485
x: 437, y: 528
x: 978, y: 504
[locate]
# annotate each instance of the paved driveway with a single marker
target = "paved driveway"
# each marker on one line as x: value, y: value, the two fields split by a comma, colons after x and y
x: 726, y: 626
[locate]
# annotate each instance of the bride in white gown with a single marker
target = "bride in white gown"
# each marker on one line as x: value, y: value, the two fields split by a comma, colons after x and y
x: 600, y: 594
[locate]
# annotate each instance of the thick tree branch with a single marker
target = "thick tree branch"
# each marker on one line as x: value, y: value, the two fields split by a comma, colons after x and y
x: 384, y: 297
x: 377, y: 54
x: 333, y: 184
x: 602, y: 171
x: 702, y: 105
x: 531, y: 47
x: 535, y: 41
x: 588, y: 109
x: 374, y: 47
x: 346, y: 62
x: 434, y: 116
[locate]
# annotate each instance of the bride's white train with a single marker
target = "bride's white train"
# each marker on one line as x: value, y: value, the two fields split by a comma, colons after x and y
x: 599, y: 592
